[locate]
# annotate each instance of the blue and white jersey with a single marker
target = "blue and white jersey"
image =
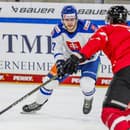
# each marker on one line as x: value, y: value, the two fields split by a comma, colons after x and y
x: 65, y: 43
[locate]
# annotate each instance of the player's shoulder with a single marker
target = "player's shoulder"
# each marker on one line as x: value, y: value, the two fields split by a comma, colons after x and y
x: 106, y: 27
x: 87, y: 25
x: 57, y: 30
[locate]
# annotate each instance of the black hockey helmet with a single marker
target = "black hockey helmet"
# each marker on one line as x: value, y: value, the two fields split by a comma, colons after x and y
x: 117, y: 15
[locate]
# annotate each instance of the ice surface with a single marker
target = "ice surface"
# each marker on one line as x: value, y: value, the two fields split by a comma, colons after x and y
x: 62, y: 112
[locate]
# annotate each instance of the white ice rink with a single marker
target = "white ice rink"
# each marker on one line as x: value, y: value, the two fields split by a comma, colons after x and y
x: 62, y: 112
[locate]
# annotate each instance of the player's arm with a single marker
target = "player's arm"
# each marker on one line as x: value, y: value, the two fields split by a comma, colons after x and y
x: 57, y: 50
x: 96, y: 43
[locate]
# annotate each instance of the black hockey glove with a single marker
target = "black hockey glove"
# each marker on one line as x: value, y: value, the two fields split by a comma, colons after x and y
x: 60, y: 68
x: 71, y: 64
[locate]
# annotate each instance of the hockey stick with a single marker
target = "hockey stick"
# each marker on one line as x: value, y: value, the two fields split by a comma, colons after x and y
x: 27, y: 95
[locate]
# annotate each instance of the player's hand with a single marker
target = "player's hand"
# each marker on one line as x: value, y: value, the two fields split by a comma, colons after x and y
x: 60, y: 68
x: 71, y: 64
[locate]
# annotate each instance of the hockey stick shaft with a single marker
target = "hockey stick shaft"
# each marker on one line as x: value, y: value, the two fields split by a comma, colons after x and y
x: 27, y: 95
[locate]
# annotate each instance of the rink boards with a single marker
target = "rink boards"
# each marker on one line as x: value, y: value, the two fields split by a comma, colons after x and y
x: 25, y: 40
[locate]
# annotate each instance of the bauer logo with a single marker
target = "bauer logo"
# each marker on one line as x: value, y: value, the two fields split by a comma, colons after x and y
x: 32, y: 10
x: 92, y: 11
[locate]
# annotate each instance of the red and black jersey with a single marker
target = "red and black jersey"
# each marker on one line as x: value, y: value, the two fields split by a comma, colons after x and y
x: 114, y: 41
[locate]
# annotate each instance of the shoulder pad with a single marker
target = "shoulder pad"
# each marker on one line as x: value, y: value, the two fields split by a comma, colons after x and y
x: 56, y: 30
x: 90, y: 26
x: 87, y: 24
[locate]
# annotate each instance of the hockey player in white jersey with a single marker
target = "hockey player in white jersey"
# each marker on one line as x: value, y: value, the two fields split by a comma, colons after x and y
x: 69, y: 36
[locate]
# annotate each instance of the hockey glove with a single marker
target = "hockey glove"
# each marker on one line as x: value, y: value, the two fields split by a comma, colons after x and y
x: 60, y: 68
x: 71, y: 64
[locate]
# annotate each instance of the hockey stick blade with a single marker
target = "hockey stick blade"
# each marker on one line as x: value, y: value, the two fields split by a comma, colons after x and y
x: 27, y: 95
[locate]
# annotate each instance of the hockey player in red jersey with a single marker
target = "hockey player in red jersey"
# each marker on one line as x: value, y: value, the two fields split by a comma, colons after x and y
x: 114, y: 40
